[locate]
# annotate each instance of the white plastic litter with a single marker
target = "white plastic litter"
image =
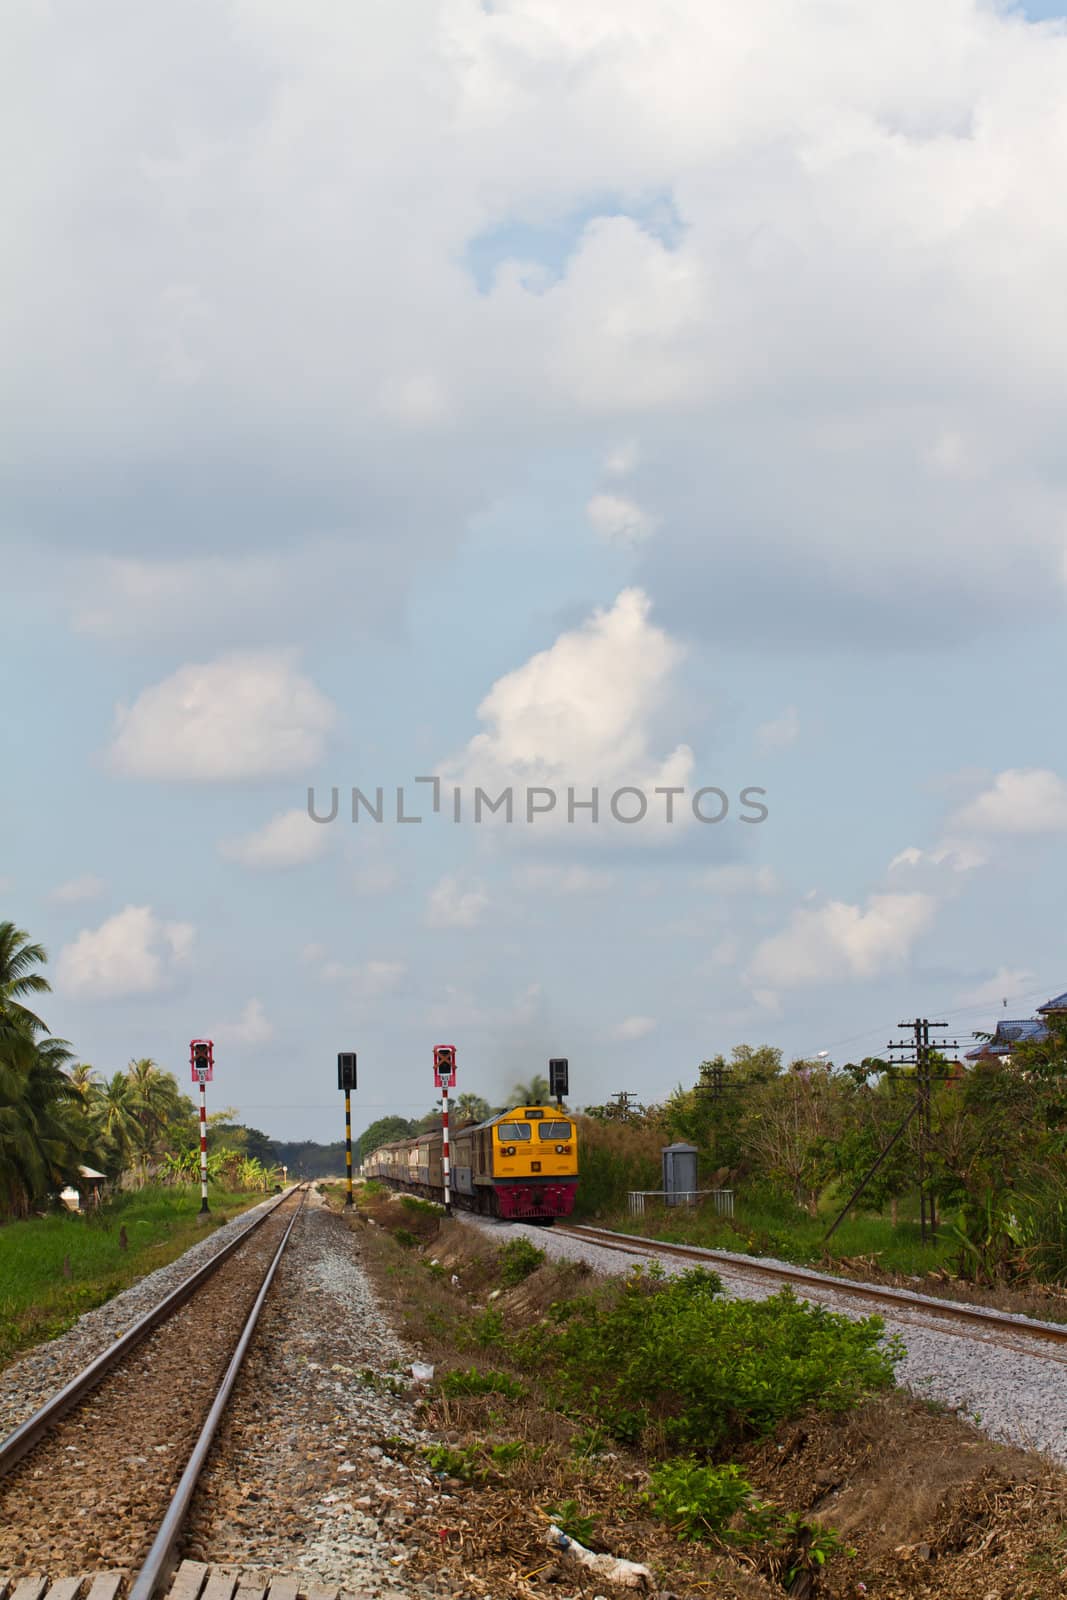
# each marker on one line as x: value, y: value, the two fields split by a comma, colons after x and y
x: 628, y: 1574
x: 421, y: 1371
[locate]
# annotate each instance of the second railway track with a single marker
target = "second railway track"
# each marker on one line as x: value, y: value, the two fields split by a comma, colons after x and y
x: 102, y: 1480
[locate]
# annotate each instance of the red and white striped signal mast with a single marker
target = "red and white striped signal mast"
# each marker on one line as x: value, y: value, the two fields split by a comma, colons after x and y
x: 444, y: 1075
x: 202, y: 1062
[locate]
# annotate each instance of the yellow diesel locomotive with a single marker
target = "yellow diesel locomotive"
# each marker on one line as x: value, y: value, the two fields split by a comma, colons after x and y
x: 521, y: 1165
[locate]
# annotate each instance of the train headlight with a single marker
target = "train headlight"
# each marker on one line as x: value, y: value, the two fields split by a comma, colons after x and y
x: 561, y: 1149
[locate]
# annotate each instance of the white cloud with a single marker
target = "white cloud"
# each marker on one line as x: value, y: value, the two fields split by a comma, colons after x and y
x: 290, y: 839
x: 251, y: 1028
x: 620, y: 521
x: 838, y: 940
x: 248, y: 715
x: 739, y: 880
x: 373, y: 877
x: 805, y: 172
x: 1007, y: 983
x: 940, y: 869
x: 780, y: 732
x: 584, y: 712
x: 458, y: 1009
x: 368, y: 978
x: 455, y: 904
x: 634, y: 1028
x: 621, y: 461
x: 76, y: 890
x: 553, y: 880
x: 1021, y: 800
x: 133, y: 952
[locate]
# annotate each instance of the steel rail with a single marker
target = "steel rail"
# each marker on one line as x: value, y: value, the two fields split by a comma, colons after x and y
x: 160, y: 1561
x: 28, y: 1433
x: 947, y: 1311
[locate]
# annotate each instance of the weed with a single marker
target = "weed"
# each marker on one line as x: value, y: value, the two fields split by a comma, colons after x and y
x: 569, y: 1520
x: 592, y: 1441
x: 487, y: 1328
x: 452, y: 1463
x: 474, y: 1382
x: 518, y: 1259
x: 702, y: 1502
x: 404, y: 1237
x: 411, y: 1202
x: 503, y: 1455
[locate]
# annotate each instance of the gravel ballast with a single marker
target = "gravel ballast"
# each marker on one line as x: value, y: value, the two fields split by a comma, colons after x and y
x: 1008, y: 1385
x: 302, y: 1478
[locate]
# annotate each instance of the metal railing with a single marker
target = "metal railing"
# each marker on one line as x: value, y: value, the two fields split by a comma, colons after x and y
x: 722, y: 1199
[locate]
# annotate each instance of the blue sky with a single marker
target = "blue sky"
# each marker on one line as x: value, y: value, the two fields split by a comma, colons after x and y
x: 534, y: 397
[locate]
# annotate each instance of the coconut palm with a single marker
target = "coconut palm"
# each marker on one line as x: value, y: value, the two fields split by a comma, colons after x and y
x: 18, y: 957
x: 115, y: 1117
x: 471, y: 1107
x: 83, y: 1077
x: 534, y: 1093
x: 43, y: 1130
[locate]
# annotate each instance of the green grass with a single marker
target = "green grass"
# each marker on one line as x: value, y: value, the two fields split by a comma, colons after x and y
x: 38, y: 1300
x: 764, y: 1226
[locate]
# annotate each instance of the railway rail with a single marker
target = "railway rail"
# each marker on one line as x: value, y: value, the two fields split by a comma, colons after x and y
x: 94, y: 1479
x: 951, y: 1316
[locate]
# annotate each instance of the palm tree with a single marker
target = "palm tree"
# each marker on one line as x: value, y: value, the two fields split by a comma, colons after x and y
x: 115, y: 1116
x: 534, y: 1093
x: 83, y: 1077
x: 18, y: 957
x: 471, y: 1107
x: 43, y: 1133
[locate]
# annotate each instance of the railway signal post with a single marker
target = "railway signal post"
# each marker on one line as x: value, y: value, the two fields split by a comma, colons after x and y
x: 202, y: 1062
x: 346, y: 1080
x: 444, y: 1075
x: 558, y: 1080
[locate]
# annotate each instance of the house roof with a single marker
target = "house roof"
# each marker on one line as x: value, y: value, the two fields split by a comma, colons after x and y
x: 1059, y: 1004
x: 1008, y: 1035
x: 90, y: 1172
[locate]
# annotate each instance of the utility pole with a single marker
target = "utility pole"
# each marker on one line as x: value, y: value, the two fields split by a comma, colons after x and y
x: 921, y: 1058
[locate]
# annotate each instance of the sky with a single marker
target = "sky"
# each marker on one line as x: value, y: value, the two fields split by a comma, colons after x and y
x: 537, y: 396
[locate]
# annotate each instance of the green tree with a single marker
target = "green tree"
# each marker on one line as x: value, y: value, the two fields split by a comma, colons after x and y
x: 18, y: 958
x: 533, y: 1093
x: 384, y: 1131
x: 471, y: 1108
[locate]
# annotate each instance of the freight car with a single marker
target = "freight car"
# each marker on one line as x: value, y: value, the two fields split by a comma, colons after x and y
x: 520, y: 1164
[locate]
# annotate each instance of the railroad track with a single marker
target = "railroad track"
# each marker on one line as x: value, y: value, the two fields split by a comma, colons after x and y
x: 951, y: 1316
x: 100, y: 1479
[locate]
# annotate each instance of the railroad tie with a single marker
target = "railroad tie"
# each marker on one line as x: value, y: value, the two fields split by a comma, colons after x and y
x: 188, y: 1581
x: 220, y: 1585
x: 30, y: 1588
x: 105, y: 1586
x: 66, y: 1588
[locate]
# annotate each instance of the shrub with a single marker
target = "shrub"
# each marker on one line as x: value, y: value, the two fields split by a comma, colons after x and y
x: 672, y: 1360
x: 518, y: 1259
x: 405, y: 1237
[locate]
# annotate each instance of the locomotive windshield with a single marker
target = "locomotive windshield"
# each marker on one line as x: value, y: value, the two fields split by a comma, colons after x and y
x: 555, y: 1130
x: 510, y: 1131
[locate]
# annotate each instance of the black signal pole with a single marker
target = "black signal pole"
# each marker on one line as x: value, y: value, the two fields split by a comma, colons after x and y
x: 346, y: 1080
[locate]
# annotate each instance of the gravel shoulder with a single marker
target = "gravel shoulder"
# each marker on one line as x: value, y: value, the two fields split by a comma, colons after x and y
x: 1015, y: 1393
